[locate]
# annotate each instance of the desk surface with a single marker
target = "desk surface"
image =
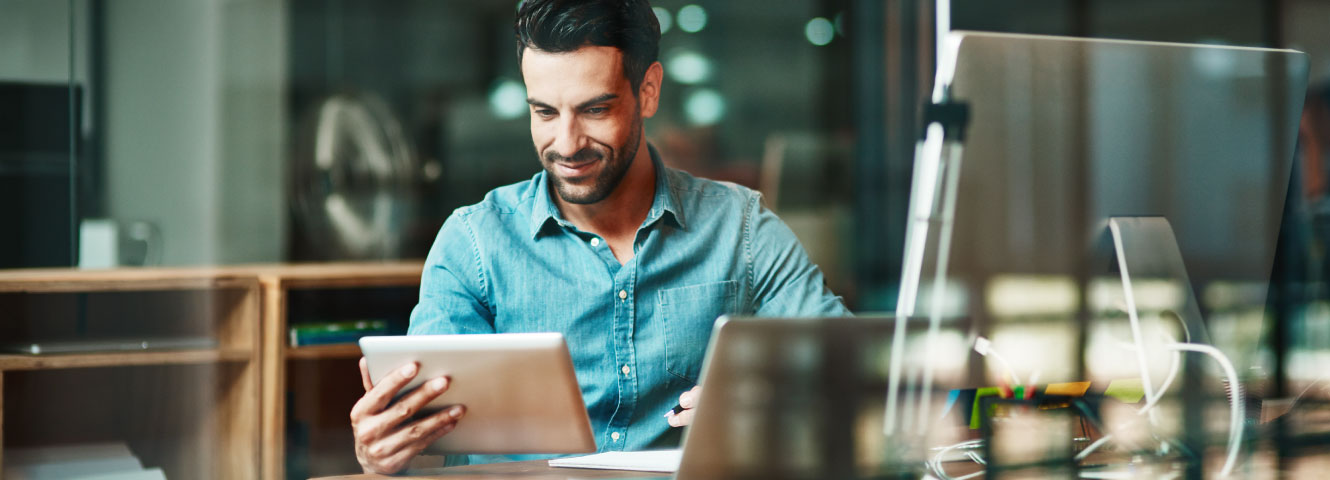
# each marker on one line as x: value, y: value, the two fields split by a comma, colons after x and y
x: 528, y: 470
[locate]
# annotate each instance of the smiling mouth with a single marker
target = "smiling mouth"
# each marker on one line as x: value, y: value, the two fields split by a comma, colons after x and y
x: 575, y: 170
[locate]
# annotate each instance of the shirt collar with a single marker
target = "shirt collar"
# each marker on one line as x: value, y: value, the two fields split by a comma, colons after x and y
x: 664, y: 206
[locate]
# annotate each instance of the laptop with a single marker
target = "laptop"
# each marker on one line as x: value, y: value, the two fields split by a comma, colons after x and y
x: 802, y: 397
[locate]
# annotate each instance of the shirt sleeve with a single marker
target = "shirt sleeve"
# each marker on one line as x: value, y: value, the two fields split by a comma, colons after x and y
x: 784, y: 281
x: 454, y: 294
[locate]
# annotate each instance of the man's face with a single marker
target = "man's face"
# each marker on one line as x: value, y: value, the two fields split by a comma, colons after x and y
x: 585, y: 121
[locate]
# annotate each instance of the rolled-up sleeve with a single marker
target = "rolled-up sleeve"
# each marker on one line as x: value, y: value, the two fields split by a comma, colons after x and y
x: 454, y: 295
x: 785, y: 282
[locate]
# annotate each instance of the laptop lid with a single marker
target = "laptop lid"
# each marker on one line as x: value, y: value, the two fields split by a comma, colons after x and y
x: 804, y: 397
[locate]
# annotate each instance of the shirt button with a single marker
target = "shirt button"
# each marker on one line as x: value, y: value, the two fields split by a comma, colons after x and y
x: 595, y: 242
x: 626, y: 370
x: 615, y: 436
x: 623, y: 294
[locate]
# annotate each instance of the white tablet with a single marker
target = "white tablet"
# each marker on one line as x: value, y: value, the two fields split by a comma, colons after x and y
x: 519, y: 389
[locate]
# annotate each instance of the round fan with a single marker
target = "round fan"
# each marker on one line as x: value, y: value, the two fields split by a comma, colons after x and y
x: 352, y: 181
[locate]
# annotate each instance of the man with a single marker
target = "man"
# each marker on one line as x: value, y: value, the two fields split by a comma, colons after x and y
x: 630, y: 260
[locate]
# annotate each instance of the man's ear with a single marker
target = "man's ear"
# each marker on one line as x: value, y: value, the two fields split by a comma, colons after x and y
x: 649, y: 92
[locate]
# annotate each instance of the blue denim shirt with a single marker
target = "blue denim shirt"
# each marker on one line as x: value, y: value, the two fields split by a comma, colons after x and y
x: 636, y: 332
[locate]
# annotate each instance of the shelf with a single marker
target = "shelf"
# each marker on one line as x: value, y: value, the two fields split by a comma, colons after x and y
x: 341, y: 350
x: 119, y: 359
x: 341, y: 275
x: 56, y: 280
x: 322, y: 275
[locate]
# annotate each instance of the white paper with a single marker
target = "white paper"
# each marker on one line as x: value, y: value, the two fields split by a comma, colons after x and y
x: 664, y: 461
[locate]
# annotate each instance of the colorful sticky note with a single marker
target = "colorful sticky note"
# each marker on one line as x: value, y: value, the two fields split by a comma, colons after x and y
x: 979, y: 395
x: 960, y: 403
x: 1071, y: 389
x: 1126, y: 391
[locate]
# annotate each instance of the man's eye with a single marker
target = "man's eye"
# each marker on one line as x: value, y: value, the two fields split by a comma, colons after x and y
x: 544, y: 112
x: 597, y: 110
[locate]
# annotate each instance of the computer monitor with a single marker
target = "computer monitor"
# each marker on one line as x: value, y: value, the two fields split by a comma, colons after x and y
x: 1065, y: 133
x: 1186, y: 147
x: 36, y: 152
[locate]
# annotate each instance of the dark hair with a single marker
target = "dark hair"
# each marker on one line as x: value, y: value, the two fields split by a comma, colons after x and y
x: 558, y: 26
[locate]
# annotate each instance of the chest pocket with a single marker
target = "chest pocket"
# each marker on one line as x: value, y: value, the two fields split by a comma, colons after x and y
x: 688, y: 314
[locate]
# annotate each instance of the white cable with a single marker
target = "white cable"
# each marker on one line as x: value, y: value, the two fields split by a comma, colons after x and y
x: 1172, y: 368
x: 1237, y: 410
x: 984, y: 346
x: 968, y: 476
x: 1163, y: 387
x: 936, y: 464
x: 974, y: 457
x: 1236, y: 407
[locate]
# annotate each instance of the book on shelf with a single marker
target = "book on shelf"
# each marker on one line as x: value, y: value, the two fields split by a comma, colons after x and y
x: 330, y: 333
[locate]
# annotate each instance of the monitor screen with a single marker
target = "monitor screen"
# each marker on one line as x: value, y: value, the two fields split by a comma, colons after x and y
x: 36, y: 153
x: 1066, y: 133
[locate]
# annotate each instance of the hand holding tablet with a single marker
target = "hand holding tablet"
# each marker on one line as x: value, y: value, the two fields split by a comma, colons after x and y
x: 386, y: 435
x: 518, y: 391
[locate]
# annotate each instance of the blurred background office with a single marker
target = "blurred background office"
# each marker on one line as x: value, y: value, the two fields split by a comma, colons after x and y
x: 209, y: 132
x: 215, y: 132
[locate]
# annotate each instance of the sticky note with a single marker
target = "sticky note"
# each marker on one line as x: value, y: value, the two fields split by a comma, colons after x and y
x: 951, y: 402
x: 979, y: 395
x: 1126, y: 391
x: 1072, y: 389
x: 960, y: 403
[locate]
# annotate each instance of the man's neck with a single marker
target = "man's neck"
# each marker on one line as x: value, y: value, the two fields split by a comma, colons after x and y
x: 617, y: 217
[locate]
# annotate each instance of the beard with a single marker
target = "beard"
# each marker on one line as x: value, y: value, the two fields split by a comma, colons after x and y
x: 604, y: 183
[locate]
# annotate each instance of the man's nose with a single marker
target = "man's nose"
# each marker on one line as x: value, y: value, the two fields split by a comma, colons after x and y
x: 569, y: 139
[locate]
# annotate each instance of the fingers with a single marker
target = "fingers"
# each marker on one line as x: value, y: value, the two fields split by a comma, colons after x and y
x: 417, y: 435
x: 682, y: 418
x: 402, y: 459
x: 364, y: 374
x: 378, y: 397
x: 374, y: 427
x: 384, y: 444
x: 689, y: 399
x: 395, y: 452
x: 408, y: 405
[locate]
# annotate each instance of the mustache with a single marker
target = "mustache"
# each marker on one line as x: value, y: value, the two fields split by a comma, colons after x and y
x: 583, y: 155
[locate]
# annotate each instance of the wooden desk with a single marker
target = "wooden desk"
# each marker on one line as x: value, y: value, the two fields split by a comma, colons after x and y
x: 528, y: 470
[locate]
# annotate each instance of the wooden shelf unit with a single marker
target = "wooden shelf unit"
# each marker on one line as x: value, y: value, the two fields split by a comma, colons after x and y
x: 332, y: 361
x: 205, y: 413
x: 192, y: 412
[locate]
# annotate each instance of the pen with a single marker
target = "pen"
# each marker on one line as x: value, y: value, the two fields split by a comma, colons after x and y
x: 675, y: 410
